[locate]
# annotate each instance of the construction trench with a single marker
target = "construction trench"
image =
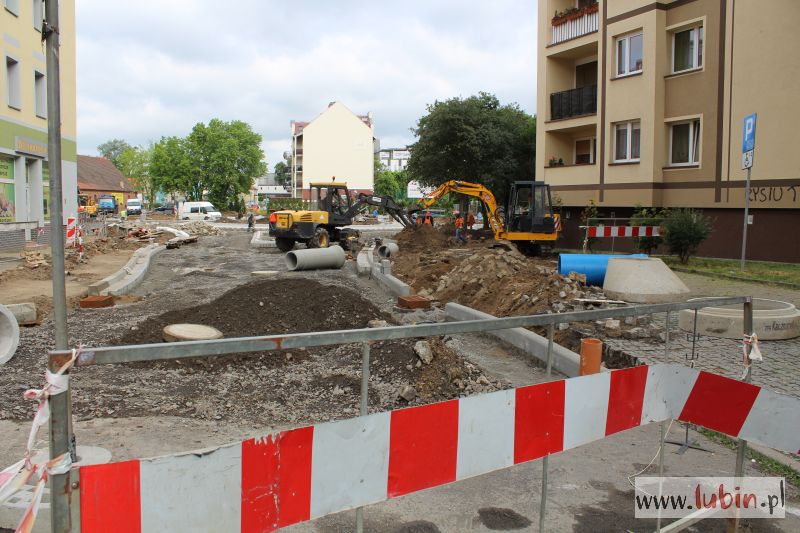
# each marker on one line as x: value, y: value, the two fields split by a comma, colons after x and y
x: 147, y: 409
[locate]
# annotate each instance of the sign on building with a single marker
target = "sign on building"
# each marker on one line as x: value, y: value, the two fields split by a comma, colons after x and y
x: 415, y: 190
x: 748, y: 140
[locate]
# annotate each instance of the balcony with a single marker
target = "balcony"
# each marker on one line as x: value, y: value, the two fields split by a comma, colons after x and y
x: 574, y: 24
x: 573, y: 103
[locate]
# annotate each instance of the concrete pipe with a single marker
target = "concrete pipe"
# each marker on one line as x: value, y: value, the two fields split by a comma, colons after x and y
x: 315, y: 258
x: 9, y: 335
x: 388, y: 250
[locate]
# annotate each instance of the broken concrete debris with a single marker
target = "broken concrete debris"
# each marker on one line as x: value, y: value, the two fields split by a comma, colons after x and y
x: 423, y: 351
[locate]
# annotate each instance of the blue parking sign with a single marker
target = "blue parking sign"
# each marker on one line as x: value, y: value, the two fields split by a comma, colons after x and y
x: 749, y: 133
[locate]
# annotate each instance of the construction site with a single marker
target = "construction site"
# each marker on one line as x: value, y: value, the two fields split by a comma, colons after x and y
x: 222, y: 282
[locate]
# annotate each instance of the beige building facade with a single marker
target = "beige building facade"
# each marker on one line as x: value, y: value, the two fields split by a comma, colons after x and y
x: 642, y: 103
x: 24, y: 161
x: 338, y: 143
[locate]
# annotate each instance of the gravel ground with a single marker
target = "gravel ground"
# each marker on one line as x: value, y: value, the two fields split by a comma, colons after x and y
x: 211, y: 283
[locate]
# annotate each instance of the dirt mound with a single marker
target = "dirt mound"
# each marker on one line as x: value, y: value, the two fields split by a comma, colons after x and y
x: 422, y: 238
x: 268, y: 307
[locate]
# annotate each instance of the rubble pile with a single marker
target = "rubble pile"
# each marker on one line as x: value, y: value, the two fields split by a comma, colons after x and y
x: 34, y: 259
x: 200, y: 228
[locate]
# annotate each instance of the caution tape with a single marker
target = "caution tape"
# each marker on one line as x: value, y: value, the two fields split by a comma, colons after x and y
x: 753, y: 354
x: 16, y: 476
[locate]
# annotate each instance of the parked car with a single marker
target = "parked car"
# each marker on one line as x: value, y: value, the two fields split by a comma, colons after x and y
x: 166, y: 208
x: 198, y: 211
x: 133, y: 206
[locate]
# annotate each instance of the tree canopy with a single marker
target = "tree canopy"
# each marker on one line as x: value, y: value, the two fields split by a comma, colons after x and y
x: 113, y: 149
x: 134, y: 163
x: 171, y: 168
x: 282, y: 174
x: 474, y: 139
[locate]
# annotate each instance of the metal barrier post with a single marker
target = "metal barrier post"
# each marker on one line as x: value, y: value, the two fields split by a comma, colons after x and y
x: 364, y: 407
x: 61, y: 442
x: 666, y: 337
x: 546, y: 458
x: 660, y: 471
x: 741, y: 449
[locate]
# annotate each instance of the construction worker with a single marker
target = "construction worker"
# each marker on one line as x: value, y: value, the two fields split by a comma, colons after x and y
x: 459, y: 228
x: 428, y: 218
x: 470, y: 220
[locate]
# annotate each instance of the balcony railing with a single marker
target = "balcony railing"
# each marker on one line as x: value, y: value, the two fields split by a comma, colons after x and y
x: 573, y: 103
x: 574, y: 27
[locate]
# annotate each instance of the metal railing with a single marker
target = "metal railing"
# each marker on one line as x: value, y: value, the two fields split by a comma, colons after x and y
x: 576, y: 27
x: 62, y: 440
x: 573, y: 103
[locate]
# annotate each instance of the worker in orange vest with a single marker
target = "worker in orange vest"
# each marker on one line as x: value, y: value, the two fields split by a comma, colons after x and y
x: 470, y: 220
x: 459, y: 228
x: 428, y: 218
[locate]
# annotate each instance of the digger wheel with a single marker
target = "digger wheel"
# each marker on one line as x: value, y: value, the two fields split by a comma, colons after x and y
x: 284, y: 244
x: 321, y: 239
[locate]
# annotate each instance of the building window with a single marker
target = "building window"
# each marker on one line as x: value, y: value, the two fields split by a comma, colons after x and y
x: 38, y: 14
x: 12, y: 6
x: 40, y: 90
x: 630, y: 52
x: 684, y: 140
x: 585, y: 150
x: 12, y: 79
x: 627, y: 137
x: 687, y: 49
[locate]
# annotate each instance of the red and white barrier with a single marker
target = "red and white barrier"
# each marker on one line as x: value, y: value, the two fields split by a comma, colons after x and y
x: 72, y: 229
x: 623, y: 231
x: 270, y: 482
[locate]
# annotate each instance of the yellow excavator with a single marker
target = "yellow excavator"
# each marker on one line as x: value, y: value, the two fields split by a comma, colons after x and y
x: 527, y: 219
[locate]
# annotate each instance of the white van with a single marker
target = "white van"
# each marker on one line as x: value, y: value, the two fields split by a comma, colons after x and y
x: 198, y: 211
x: 133, y: 206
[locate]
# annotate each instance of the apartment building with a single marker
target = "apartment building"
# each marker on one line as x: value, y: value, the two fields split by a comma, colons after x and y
x: 642, y: 103
x: 338, y: 143
x: 24, y: 161
x: 394, y: 159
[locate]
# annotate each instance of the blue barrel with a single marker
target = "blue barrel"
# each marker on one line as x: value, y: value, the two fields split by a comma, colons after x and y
x: 592, y: 265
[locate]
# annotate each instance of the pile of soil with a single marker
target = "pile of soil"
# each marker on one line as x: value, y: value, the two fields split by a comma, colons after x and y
x: 279, y: 388
x: 423, y: 238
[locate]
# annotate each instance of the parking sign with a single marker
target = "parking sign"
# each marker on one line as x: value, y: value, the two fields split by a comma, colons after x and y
x: 748, y: 140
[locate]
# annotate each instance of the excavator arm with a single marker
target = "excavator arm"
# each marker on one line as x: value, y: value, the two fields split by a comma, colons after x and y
x: 469, y: 189
x: 388, y: 204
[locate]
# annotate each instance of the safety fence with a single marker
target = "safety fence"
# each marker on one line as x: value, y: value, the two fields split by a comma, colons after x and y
x: 279, y: 479
x: 614, y: 228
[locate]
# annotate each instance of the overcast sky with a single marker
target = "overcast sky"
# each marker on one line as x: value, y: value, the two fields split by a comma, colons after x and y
x: 152, y: 67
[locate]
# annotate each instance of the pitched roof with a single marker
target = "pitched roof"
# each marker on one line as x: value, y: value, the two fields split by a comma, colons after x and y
x: 98, y: 173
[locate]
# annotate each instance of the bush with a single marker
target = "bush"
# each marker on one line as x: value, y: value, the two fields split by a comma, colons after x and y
x: 589, y: 217
x: 287, y: 204
x: 647, y: 216
x: 686, y: 230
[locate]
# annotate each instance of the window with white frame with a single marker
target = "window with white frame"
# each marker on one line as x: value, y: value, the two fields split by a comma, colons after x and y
x: 585, y: 150
x: 13, y: 96
x: 38, y: 14
x: 40, y: 94
x: 12, y: 6
x: 630, y: 53
x: 687, y: 49
x: 627, y: 141
x: 684, y: 143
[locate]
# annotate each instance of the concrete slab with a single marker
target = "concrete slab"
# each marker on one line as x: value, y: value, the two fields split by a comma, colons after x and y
x: 565, y: 361
x: 25, y: 313
x: 382, y: 273
x: 190, y: 332
x: 643, y: 280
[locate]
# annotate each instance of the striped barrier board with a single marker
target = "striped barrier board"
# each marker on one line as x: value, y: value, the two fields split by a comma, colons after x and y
x: 623, y: 231
x: 72, y: 228
x: 270, y: 482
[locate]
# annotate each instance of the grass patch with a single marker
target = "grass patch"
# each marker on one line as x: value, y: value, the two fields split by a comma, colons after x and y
x: 754, y: 270
x: 766, y: 464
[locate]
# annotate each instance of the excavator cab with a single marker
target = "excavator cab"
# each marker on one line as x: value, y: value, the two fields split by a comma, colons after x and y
x: 530, y: 208
x: 334, y: 199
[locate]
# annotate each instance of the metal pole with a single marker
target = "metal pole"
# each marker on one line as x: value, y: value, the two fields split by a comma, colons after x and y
x: 666, y: 337
x: 60, y: 407
x: 660, y: 471
x: 741, y: 449
x: 363, y: 409
x: 546, y: 459
x: 746, y: 216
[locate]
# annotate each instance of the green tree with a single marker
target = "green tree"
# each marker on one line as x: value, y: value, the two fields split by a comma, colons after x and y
x: 282, y: 174
x: 647, y: 216
x: 589, y: 217
x: 225, y: 157
x: 686, y: 230
x: 134, y: 163
x: 474, y: 139
x: 171, y: 168
x: 113, y: 149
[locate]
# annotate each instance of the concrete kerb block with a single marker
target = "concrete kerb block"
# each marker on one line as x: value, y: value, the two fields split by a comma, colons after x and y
x: 260, y: 240
x: 565, y: 361
x: 25, y: 313
x: 128, y: 277
x: 363, y: 264
x: 387, y: 281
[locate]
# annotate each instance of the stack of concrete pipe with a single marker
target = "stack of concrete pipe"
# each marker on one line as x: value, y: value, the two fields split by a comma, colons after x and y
x: 388, y: 250
x: 315, y: 258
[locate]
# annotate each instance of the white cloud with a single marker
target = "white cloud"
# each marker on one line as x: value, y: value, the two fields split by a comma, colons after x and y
x: 153, y: 68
